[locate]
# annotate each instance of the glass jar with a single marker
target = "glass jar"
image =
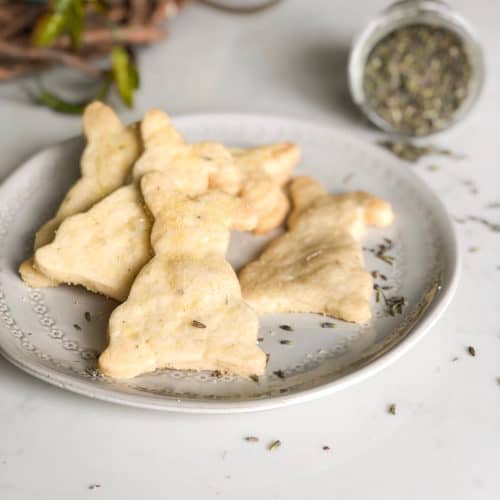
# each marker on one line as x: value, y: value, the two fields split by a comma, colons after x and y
x: 408, y: 12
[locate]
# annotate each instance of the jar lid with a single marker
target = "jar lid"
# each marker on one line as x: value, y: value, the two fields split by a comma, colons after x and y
x: 433, y: 13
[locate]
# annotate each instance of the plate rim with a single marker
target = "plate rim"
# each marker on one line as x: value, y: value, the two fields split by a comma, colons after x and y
x: 422, y: 325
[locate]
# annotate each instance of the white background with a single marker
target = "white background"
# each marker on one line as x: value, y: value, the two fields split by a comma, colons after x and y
x: 444, y: 441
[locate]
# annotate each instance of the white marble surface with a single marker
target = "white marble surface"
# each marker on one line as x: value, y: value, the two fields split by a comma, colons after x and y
x: 444, y: 441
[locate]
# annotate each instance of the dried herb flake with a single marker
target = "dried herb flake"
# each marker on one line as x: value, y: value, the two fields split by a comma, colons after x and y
x: 412, y: 153
x: 198, y: 324
x: 328, y: 324
x: 395, y: 305
x: 251, y: 439
x: 274, y: 445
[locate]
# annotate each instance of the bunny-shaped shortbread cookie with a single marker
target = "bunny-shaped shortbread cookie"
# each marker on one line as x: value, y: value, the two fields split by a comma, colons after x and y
x: 185, y: 309
x: 111, y: 150
x: 317, y: 266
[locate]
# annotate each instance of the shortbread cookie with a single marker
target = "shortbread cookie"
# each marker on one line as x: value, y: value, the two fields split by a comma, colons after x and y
x: 111, y: 150
x: 318, y: 266
x: 185, y: 309
x: 264, y: 171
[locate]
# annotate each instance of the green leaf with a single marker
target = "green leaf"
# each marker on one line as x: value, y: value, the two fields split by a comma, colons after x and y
x: 125, y: 74
x: 75, y: 22
x: 64, y: 15
x: 48, y: 28
x: 60, y: 105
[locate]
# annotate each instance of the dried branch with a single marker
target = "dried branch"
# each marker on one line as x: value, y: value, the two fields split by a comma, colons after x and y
x: 38, y: 55
x: 138, y: 12
x: 22, y: 20
x: 134, y: 35
x: 127, y: 22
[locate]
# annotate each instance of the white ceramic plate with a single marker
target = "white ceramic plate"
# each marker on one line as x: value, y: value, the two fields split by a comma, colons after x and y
x: 37, y: 331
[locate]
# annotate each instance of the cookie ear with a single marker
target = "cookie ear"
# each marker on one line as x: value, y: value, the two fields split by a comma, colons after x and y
x: 157, y: 127
x: 377, y: 212
x: 284, y: 158
x: 304, y: 191
x: 99, y: 119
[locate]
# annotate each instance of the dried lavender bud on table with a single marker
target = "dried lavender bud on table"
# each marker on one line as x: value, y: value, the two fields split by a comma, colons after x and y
x: 417, y: 77
x: 412, y: 153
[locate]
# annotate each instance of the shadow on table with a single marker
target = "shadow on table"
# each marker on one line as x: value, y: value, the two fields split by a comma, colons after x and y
x: 322, y: 78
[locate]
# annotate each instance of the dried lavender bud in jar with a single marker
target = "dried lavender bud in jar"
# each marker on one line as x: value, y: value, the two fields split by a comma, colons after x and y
x: 417, y: 77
